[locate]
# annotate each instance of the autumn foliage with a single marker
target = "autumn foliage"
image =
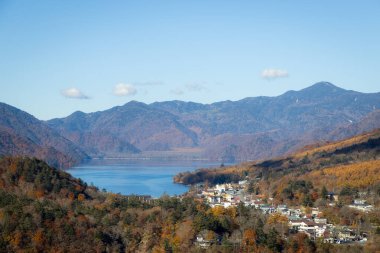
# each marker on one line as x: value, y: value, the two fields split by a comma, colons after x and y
x: 46, y: 210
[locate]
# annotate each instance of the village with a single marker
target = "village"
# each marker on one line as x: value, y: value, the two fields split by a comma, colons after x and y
x: 299, y: 219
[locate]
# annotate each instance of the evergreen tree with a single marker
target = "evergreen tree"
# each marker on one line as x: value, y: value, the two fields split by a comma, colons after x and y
x: 324, y: 192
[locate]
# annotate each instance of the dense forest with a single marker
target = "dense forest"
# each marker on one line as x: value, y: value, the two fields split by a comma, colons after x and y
x: 46, y: 210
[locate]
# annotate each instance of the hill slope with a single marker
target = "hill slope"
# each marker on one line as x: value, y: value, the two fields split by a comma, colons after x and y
x: 125, y: 129
x: 351, y: 162
x: 41, y: 210
x: 22, y: 134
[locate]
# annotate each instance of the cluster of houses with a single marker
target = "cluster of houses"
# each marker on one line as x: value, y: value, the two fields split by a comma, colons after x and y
x: 313, y: 225
x: 361, y: 205
x: 225, y: 195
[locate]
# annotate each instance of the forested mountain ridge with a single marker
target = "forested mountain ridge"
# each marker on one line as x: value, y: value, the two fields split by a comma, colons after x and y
x: 43, y: 209
x: 125, y: 129
x: 23, y: 134
x: 358, y: 155
x: 248, y: 129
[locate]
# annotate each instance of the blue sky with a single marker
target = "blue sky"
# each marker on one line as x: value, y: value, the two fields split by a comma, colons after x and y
x: 57, y: 57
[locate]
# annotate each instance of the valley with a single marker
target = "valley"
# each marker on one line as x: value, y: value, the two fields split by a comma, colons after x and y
x: 324, y: 198
x: 189, y: 126
x: 308, y: 181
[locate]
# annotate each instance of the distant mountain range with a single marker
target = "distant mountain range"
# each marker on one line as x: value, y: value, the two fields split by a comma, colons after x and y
x: 251, y: 128
x: 22, y: 134
x: 248, y: 129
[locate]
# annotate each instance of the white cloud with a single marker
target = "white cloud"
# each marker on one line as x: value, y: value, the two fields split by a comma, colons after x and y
x: 73, y: 93
x: 177, y: 92
x: 274, y: 73
x: 122, y: 89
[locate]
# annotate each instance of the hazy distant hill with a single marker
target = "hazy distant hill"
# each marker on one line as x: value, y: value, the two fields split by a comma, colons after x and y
x: 125, y: 129
x: 251, y: 128
x: 366, y: 124
x: 22, y: 134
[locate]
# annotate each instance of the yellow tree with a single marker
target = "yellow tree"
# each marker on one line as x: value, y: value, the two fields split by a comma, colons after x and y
x: 249, y: 240
x: 38, y: 238
x: 277, y: 218
x: 218, y: 211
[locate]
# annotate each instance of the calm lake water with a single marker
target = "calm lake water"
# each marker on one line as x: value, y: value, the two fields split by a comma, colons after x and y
x: 144, y: 177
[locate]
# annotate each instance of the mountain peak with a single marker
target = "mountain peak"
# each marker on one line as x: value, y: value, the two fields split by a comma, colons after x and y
x: 135, y: 103
x: 323, y: 87
x: 78, y: 113
x: 324, y: 84
x: 319, y: 90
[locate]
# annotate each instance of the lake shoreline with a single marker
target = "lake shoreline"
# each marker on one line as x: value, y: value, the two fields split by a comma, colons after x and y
x: 137, y: 177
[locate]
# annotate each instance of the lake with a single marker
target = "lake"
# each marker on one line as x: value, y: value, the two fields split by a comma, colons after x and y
x: 143, y: 177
